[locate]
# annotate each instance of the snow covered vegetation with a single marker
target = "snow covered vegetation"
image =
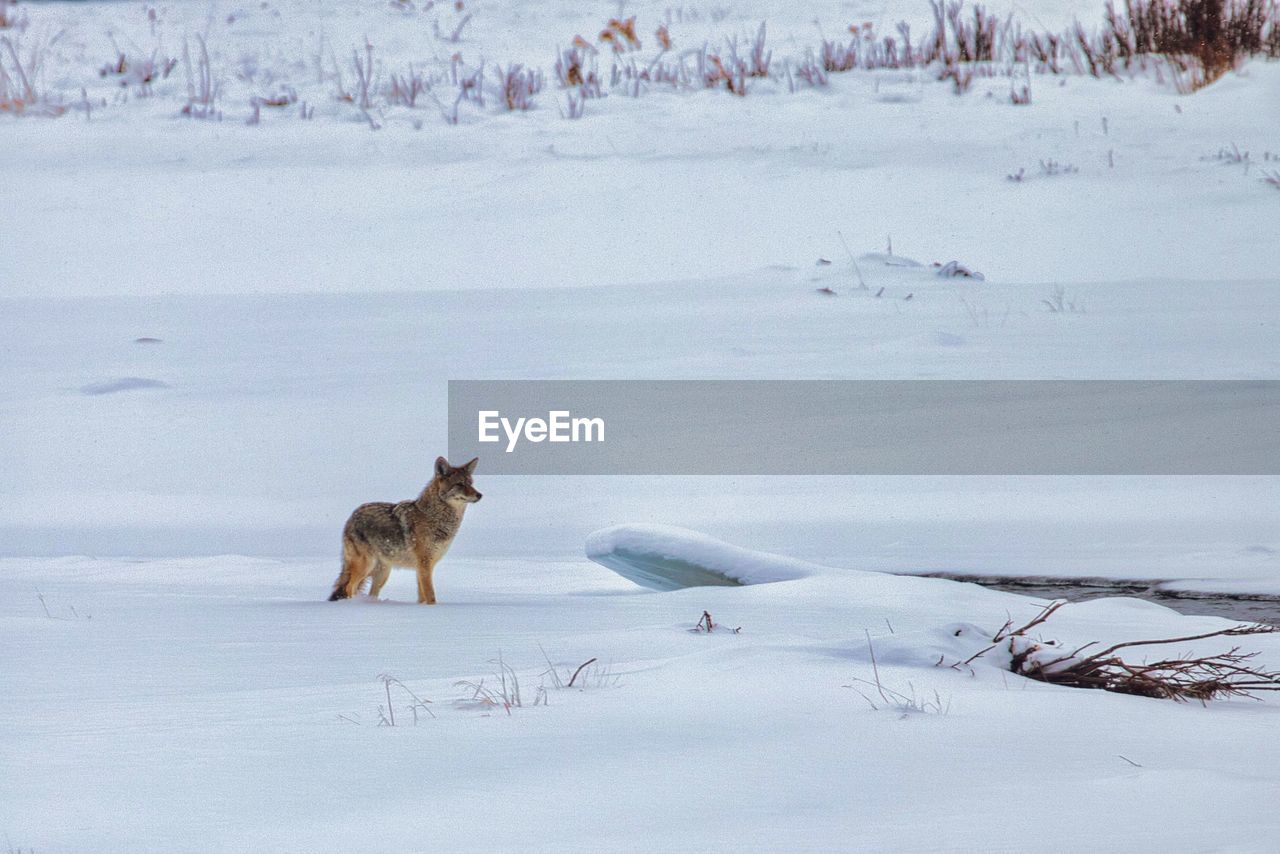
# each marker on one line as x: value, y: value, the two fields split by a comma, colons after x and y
x: 247, y: 245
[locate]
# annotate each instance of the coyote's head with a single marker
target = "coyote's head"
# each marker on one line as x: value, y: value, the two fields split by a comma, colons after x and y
x: 455, y: 483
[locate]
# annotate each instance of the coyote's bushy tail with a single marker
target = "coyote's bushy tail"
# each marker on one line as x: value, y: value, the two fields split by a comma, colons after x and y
x: 342, y: 587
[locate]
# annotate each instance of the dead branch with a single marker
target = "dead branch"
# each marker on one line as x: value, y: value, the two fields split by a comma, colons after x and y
x: 1006, y: 631
x: 1234, y: 631
x: 1044, y: 614
x: 1228, y: 674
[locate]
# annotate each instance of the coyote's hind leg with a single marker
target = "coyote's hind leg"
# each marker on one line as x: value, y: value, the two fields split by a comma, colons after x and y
x: 355, y: 568
x: 381, y: 572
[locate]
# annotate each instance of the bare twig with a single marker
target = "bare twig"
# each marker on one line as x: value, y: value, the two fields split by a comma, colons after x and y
x: 862, y: 283
x: 581, y: 666
x: 1234, y: 631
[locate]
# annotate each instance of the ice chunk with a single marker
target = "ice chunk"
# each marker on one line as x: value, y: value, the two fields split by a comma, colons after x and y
x: 662, y: 557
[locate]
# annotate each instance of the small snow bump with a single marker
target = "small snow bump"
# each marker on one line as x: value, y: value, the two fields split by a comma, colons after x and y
x: 890, y: 260
x: 956, y: 270
x: 121, y: 384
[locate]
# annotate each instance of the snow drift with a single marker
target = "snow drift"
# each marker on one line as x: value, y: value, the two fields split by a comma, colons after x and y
x: 664, y: 557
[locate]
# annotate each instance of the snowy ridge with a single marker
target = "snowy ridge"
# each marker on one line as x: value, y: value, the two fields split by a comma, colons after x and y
x: 665, y: 557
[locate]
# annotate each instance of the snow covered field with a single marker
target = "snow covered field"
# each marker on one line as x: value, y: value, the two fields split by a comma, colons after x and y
x: 218, y: 703
x: 665, y: 187
x: 219, y: 337
x: 273, y: 415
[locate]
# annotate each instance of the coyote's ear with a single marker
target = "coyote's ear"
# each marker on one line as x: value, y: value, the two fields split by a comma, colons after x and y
x: 442, y: 467
x: 471, y: 466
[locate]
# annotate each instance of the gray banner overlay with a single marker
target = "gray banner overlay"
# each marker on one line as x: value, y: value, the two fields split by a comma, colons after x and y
x: 772, y: 427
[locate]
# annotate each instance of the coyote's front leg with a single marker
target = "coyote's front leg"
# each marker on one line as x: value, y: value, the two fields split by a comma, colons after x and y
x: 426, y: 592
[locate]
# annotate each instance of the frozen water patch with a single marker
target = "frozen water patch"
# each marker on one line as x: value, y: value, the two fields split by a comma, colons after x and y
x: 669, y: 558
x: 1242, y: 601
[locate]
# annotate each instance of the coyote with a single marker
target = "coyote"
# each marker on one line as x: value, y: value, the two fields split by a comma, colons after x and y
x: 411, y: 533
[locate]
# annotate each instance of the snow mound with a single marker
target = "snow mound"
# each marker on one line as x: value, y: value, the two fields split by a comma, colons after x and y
x: 956, y: 270
x: 930, y: 647
x: 121, y: 384
x: 663, y: 557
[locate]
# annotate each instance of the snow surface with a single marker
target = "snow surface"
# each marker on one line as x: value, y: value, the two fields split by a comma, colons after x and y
x: 218, y: 338
x: 208, y: 703
x: 283, y: 412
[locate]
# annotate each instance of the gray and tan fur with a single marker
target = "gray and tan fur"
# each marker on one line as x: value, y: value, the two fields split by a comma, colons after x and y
x: 411, y: 533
